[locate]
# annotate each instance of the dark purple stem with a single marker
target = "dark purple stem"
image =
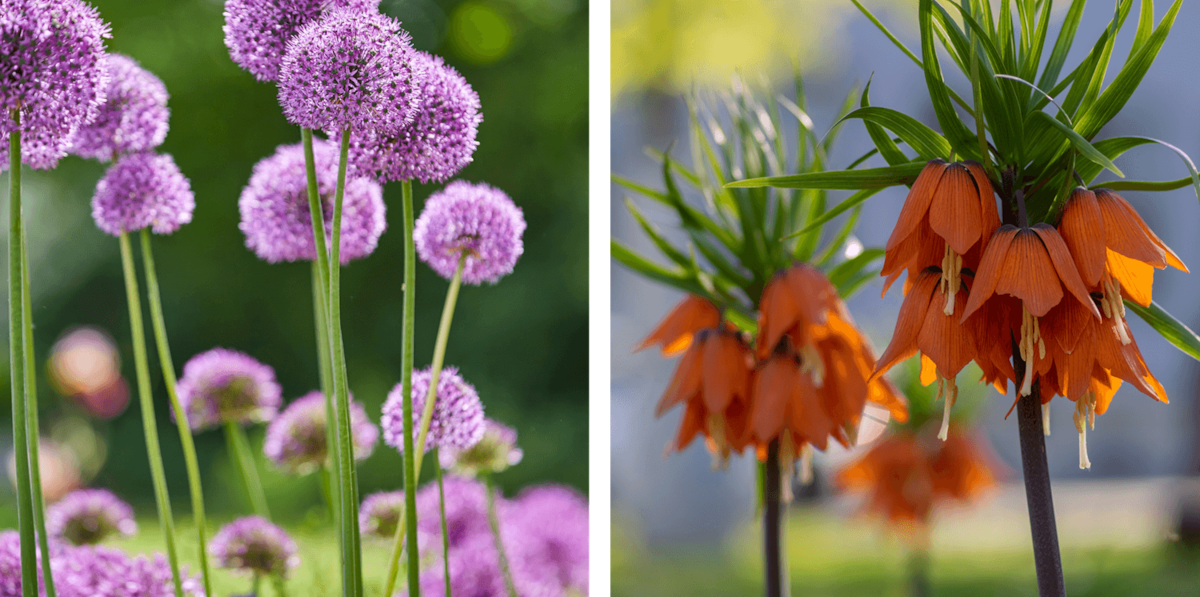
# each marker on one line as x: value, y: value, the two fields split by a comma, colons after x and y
x: 775, y: 568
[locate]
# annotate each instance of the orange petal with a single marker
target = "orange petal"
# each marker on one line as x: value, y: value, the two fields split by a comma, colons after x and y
x: 916, y: 205
x: 674, y: 333
x: 777, y: 312
x: 990, y: 266
x: 928, y: 370
x: 1028, y: 274
x: 686, y: 382
x: 808, y: 416
x: 1064, y: 265
x: 726, y: 370
x: 1082, y: 229
x: 955, y: 211
x: 989, y: 216
x: 943, y: 339
x: 1125, y: 232
x: 690, y: 424
x: 1136, y: 277
x: 908, y: 324
x: 772, y: 391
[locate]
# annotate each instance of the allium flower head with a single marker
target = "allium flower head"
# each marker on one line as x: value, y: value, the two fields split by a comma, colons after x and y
x: 379, y: 514
x: 437, y: 143
x: 466, y: 511
x: 476, y: 219
x: 54, y: 73
x: 475, y: 568
x: 496, y: 451
x: 226, y: 386
x: 275, y: 215
x: 350, y: 70
x: 253, y: 545
x: 143, y: 190
x: 89, y: 516
x: 257, y: 31
x: 133, y: 118
x: 555, y: 518
x: 457, y: 412
x: 296, y: 441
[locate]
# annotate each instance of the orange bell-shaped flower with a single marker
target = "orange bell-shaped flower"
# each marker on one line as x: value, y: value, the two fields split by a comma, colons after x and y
x: 674, y: 333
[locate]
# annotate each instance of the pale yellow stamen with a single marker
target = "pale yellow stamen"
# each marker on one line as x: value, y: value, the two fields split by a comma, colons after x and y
x: 947, y: 390
x: 1114, y: 307
x: 716, y: 434
x: 806, y: 464
x: 1085, y: 416
x: 951, y: 268
x: 1046, y: 419
x: 811, y: 364
x: 1031, y: 337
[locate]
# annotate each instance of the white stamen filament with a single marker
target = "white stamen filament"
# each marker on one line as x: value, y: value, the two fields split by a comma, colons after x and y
x: 810, y: 363
x: 716, y: 433
x: 806, y: 464
x: 948, y: 391
x: 1046, y: 419
x: 787, y: 465
x: 1031, y: 336
x: 951, y: 268
x: 1114, y: 307
x: 1085, y: 416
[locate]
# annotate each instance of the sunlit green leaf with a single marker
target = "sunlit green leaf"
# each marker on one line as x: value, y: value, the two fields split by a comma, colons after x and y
x: 867, y: 178
x: 923, y: 139
x: 1172, y: 329
x: 1085, y: 148
x: 851, y: 202
x: 674, y: 254
x: 848, y: 269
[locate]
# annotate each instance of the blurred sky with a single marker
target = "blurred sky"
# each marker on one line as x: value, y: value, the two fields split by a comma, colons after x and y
x: 839, y: 49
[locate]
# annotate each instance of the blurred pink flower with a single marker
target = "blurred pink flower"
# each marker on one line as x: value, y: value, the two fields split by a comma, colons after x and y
x: 86, y: 365
x: 60, y: 473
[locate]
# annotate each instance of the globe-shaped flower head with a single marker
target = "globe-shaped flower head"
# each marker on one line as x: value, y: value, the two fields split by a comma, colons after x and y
x: 437, y: 143
x: 275, y: 215
x: 143, y: 190
x: 226, y: 386
x: 555, y: 519
x: 89, y: 516
x: 350, y: 70
x: 457, y: 412
x: 495, y: 452
x: 257, y: 31
x: 379, y: 514
x: 296, y: 441
x: 53, y: 72
x: 253, y: 545
x: 475, y: 220
x: 133, y: 117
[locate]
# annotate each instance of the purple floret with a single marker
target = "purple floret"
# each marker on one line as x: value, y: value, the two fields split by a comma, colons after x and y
x: 53, y: 70
x: 379, y: 514
x: 143, y: 190
x: 476, y: 219
x: 225, y: 386
x: 257, y: 31
x: 254, y: 546
x: 275, y: 215
x: 438, y: 142
x: 132, y: 119
x: 457, y: 421
x: 350, y: 70
x: 296, y: 439
x: 88, y: 516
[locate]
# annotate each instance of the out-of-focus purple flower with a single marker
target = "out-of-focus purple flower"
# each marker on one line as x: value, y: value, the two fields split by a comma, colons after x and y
x: 296, y: 441
x: 140, y: 190
x: 54, y: 73
x: 253, y: 545
x: 379, y: 514
x: 227, y: 386
x: 257, y: 31
x: 89, y: 516
x: 466, y: 512
x: 457, y: 421
x: 554, y: 518
x: 496, y: 451
x: 477, y: 220
x: 275, y: 215
x: 132, y: 119
x: 437, y: 143
x: 475, y: 569
x: 350, y: 70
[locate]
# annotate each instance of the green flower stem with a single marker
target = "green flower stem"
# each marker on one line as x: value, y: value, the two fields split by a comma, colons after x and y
x: 35, y: 473
x: 439, y: 357
x: 280, y: 586
x: 437, y: 471
x: 185, y: 431
x: 147, y: 404
x: 255, y: 584
x: 326, y: 477
x: 320, y: 315
x: 351, y: 549
x: 243, y: 459
x: 494, y: 522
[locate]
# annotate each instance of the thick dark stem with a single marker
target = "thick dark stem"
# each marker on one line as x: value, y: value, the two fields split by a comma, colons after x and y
x: 776, y: 571
x: 918, y: 574
x: 1037, y: 494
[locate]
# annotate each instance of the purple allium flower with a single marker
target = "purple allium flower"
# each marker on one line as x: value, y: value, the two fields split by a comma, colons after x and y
x: 379, y: 514
x: 257, y: 31
x: 88, y: 516
x: 350, y: 70
x: 477, y: 219
x: 227, y: 386
x: 496, y: 451
x: 555, y: 519
x: 151, y: 577
x: 140, y: 190
x: 253, y: 545
x: 53, y: 71
x: 296, y: 441
x: 437, y: 143
x: 475, y: 568
x: 133, y: 117
x: 457, y: 421
x: 274, y: 207
x: 466, y: 511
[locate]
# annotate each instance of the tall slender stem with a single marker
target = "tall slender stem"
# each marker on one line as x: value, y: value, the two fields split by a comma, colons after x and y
x: 352, y: 570
x: 1046, y: 556
x: 918, y: 573
x: 494, y: 523
x: 439, y: 357
x: 35, y: 472
x: 149, y: 423
x: 437, y: 471
x: 158, y: 322
x: 408, y: 520
x: 243, y: 459
x: 321, y: 318
x: 773, y: 521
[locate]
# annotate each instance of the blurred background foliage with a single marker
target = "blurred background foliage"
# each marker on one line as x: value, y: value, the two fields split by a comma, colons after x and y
x: 523, y: 343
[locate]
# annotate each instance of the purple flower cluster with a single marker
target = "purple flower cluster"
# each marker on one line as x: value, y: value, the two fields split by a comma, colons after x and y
x: 274, y: 207
x: 296, y: 440
x: 53, y: 72
x: 133, y: 117
x: 350, y: 70
x: 555, y: 520
x: 88, y: 516
x: 496, y: 451
x: 253, y: 545
x: 379, y: 514
x: 466, y: 512
x: 457, y: 421
x: 437, y: 143
x: 257, y: 31
x: 140, y: 190
x: 475, y: 220
x: 226, y: 386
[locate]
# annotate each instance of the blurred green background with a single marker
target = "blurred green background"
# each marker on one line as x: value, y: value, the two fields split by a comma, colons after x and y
x: 522, y: 343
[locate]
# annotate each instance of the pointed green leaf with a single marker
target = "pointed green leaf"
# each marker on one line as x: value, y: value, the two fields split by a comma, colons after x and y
x: 1085, y: 149
x: 952, y: 127
x: 923, y: 139
x: 851, y: 202
x: 1172, y: 329
x: 676, y: 255
x: 849, y: 268
x: 649, y: 269
x: 1187, y: 161
x: 1066, y: 36
x: 867, y: 178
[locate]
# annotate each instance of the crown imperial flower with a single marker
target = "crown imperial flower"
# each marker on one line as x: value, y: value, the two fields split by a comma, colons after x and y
x: 476, y: 223
x: 132, y: 119
x: 143, y: 190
